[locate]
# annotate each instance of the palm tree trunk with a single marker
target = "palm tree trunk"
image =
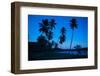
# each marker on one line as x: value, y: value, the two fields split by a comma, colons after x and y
x: 72, y: 39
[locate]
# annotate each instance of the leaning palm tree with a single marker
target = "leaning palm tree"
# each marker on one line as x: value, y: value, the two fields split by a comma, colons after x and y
x: 62, y: 36
x: 73, y: 26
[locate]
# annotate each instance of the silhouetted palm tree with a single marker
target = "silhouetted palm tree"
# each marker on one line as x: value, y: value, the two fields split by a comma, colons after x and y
x: 62, y: 36
x: 49, y: 34
x: 46, y: 27
x: 73, y: 26
x: 52, y: 24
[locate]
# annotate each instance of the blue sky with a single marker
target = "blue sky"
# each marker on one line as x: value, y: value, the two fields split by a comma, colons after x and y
x: 80, y: 34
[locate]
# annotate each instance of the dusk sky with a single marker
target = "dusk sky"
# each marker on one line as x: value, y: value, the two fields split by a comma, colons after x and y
x: 80, y: 34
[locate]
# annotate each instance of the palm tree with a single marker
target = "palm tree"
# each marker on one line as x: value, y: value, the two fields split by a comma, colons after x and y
x: 73, y: 26
x: 42, y: 39
x: 52, y: 24
x: 62, y: 36
x: 46, y: 28
x: 49, y: 35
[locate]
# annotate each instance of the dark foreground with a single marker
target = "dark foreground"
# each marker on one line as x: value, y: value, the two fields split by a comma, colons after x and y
x: 57, y: 53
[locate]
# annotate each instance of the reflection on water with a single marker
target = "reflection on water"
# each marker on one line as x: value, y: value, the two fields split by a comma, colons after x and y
x: 84, y: 52
x: 58, y: 55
